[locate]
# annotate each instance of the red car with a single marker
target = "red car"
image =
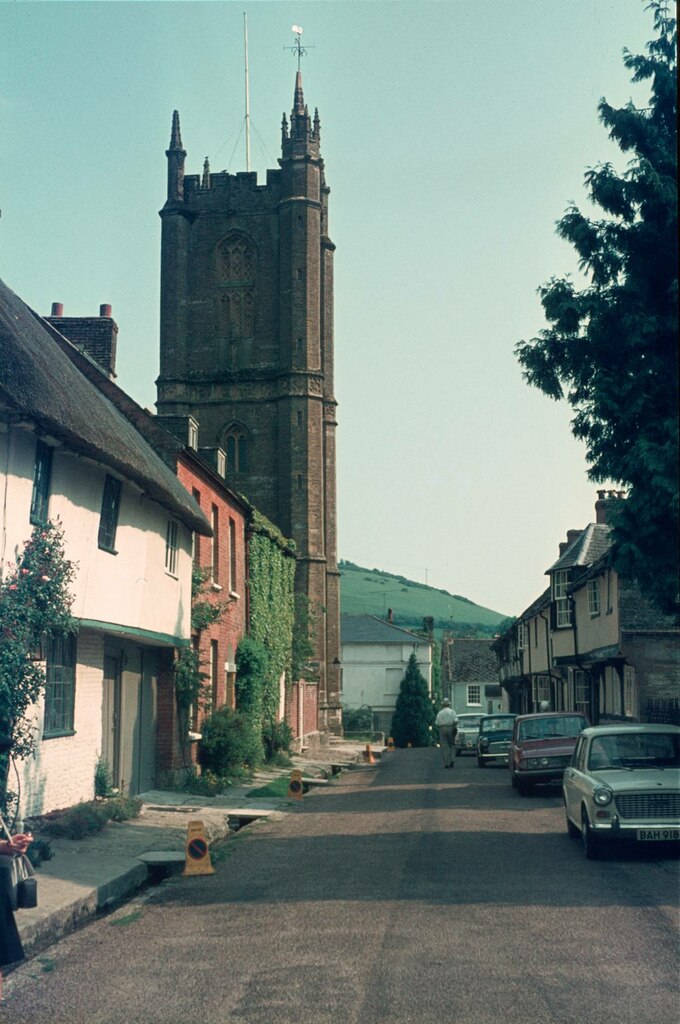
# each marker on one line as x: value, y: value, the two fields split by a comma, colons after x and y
x: 542, y: 746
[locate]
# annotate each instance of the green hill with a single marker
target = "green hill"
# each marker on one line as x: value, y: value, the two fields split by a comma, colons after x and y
x: 372, y: 592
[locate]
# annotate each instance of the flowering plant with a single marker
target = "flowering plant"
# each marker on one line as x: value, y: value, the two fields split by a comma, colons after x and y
x: 35, y: 601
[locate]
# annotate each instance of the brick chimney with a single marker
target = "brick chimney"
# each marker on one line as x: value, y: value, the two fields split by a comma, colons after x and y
x: 96, y: 336
x: 603, y: 504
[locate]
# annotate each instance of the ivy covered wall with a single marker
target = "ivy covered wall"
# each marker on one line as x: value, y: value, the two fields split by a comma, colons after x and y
x: 271, y: 585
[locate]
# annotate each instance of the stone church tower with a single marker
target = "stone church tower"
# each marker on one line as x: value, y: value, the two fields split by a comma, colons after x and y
x: 247, y: 350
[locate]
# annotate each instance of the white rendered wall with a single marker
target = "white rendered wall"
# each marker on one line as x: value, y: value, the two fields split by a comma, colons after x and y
x: 372, y: 673
x: 130, y: 588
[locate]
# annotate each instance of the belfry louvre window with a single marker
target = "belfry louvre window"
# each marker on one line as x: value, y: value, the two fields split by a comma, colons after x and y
x: 60, y: 686
x: 236, y: 269
x: 237, y: 461
x: 42, y: 472
x: 108, y: 520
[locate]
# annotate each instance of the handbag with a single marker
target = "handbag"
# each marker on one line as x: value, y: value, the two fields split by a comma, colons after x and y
x: 18, y: 882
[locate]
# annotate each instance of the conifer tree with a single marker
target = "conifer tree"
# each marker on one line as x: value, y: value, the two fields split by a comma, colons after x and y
x: 611, y: 348
x: 413, y: 712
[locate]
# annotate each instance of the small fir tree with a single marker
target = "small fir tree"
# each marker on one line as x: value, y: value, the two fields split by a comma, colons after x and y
x: 413, y: 712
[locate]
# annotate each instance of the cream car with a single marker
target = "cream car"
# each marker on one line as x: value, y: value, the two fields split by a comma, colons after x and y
x: 624, y: 783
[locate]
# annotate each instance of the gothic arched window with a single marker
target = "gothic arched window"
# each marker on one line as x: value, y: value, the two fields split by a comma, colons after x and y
x: 236, y: 446
x: 236, y: 260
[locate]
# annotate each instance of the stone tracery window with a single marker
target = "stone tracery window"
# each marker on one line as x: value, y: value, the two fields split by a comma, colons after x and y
x: 236, y: 271
x: 235, y: 443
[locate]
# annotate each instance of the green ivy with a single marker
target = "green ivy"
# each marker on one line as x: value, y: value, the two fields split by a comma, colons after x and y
x: 272, y: 611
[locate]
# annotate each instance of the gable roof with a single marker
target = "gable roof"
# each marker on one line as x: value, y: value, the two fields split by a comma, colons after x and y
x: 590, y: 545
x: 369, y: 629
x: 40, y: 381
x: 468, y: 660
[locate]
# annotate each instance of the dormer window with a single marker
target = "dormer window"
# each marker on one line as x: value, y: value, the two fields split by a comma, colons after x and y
x: 560, y: 599
x: 192, y: 433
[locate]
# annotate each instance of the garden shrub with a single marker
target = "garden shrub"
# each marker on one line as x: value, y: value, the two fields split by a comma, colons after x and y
x: 277, y: 738
x: 88, y: 817
x: 230, y: 742
x: 357, y: 720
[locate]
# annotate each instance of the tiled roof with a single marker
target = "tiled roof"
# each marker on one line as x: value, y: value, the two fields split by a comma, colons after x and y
x: 538, y: 605
x: 39, y: 380
x: 590, y: 545
x: 369, y: 629
x: 468, y: 660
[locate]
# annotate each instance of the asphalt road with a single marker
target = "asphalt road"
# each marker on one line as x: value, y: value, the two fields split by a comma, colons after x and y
x: 401, y: 893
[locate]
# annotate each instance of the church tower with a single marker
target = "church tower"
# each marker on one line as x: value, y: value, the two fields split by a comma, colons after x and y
x: 247, y: 350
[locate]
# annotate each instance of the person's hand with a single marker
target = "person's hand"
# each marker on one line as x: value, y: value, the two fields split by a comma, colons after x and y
x: 17, y: 845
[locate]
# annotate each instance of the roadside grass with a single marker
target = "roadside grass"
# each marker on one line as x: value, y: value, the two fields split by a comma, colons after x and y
x: 277, y: 789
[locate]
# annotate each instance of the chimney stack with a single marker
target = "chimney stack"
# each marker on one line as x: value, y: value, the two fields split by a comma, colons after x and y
x: 390, y: 615
x: 96, y: 336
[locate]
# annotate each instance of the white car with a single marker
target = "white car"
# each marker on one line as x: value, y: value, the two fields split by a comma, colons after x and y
x: 624, y: 783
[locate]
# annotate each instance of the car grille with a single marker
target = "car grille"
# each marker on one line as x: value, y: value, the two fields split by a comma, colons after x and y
x: 499, y: 748
x: 649, y: 805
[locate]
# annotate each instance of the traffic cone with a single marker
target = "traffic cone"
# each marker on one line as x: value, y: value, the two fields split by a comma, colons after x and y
x: 295, y: 787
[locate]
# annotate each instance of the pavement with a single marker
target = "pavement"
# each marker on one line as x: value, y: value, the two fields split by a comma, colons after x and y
x: 87, y: 876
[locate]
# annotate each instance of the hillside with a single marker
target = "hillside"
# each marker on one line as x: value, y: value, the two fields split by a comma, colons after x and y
x: 372, y: 592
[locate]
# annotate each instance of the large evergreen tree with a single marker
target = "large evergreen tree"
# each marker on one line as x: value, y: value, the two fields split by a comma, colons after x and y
x: 612, y: 347
x: 413, y: 712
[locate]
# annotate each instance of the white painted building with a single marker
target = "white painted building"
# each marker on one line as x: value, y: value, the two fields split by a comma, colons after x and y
x: 68, y: 453
x: 375, y: 654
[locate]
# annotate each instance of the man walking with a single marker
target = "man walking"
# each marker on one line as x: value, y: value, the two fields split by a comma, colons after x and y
x: 447, y: 723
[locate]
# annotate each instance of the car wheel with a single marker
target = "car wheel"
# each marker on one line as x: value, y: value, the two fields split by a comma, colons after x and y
x: 592, y: 847
x: 513, y: 781
x: 523, y: 788
x: 458, y: 751
x: 481, y: 763
x: 572, y: 829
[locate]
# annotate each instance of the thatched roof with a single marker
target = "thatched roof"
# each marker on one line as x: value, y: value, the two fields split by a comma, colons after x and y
x: 40, y: 382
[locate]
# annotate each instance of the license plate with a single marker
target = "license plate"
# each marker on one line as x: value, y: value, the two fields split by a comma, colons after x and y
x: 658, y: 835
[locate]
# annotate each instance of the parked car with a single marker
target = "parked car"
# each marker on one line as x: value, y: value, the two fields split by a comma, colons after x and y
x: 466, y: 737
x: 624, y: 783
x: 542, y: 746
x: 493, y: 739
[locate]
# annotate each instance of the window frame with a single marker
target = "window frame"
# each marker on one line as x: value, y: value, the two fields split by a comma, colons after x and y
x: 561, y: 600
x: 594, y: 604
x: 60, y: 660
x: 171, y: 547
x: 469, y: 693
x: 522, y: 636
x: 42, y: 478
x: 109, y: 514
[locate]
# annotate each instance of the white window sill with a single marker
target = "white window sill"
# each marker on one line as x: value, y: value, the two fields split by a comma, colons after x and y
x: 172, y: 575
x: 217, y: 587
x: 234, y: 595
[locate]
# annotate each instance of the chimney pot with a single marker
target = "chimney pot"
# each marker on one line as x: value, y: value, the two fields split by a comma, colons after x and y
x: 390, y: 615
x: 105, y: 309
x: 57, y: 309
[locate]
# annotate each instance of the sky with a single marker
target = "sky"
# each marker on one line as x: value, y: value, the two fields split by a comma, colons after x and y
x: 454, y: 134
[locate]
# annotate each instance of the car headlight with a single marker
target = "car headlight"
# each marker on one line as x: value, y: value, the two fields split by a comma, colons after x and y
x: 484, y: 743
x: 602, y: 796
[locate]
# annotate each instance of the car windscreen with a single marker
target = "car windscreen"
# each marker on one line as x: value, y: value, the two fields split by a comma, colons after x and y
x: 498, y: 725
x: 634, y: 750
x: 548, y: 728
x: 468, y: 721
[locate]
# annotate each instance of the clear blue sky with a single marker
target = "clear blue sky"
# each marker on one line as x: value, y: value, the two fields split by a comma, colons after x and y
x: 454, y: 135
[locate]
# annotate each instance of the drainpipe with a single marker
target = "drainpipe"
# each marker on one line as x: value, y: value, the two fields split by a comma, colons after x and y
x: 547, y: 644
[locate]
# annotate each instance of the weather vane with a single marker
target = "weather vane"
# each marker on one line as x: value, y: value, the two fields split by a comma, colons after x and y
x: 298, y: 48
